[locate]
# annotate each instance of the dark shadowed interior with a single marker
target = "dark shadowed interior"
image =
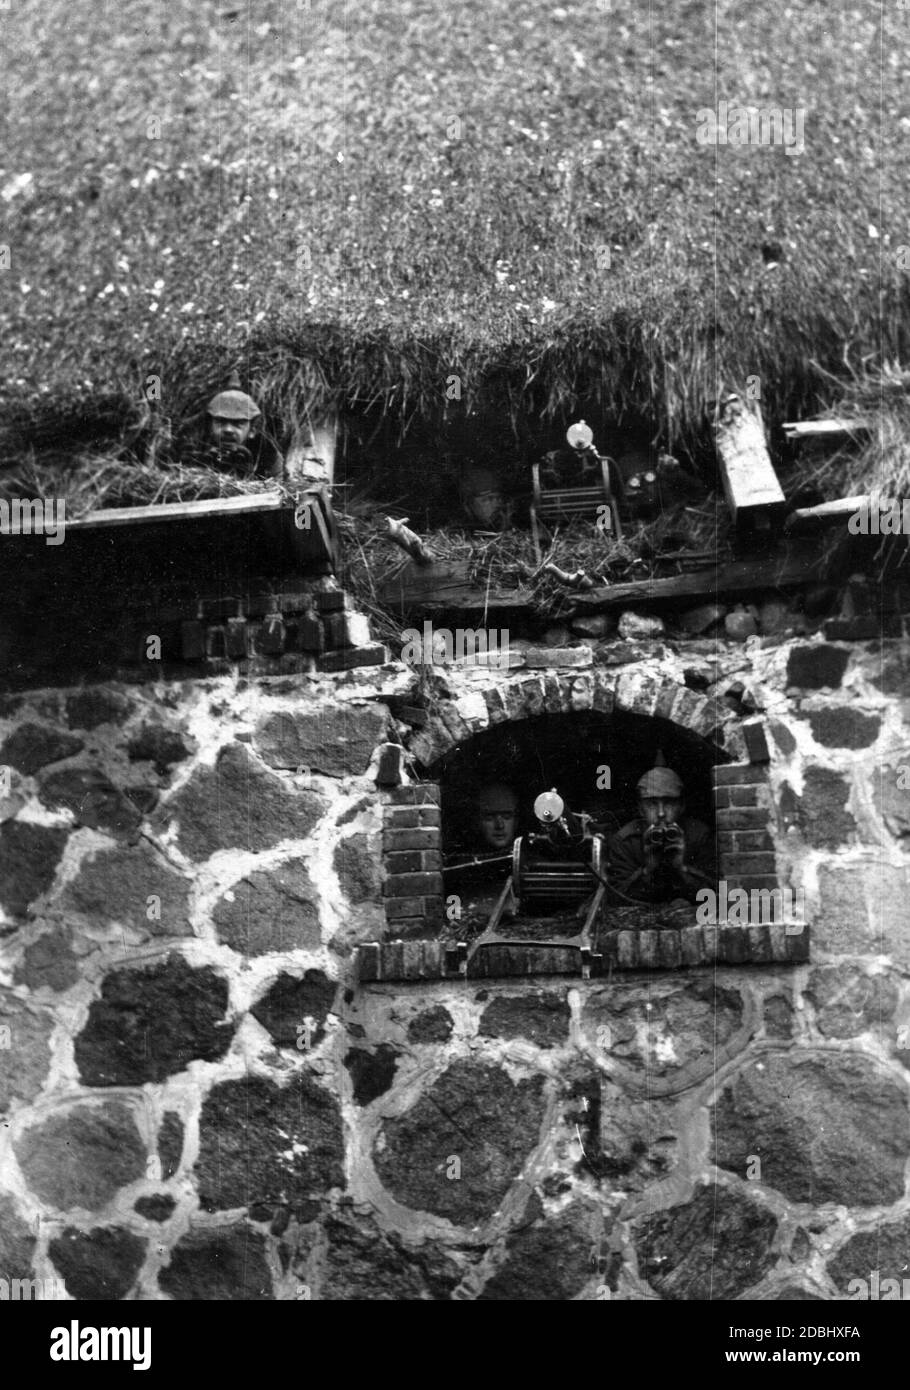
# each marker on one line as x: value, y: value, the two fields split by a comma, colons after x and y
x: 572, y: 753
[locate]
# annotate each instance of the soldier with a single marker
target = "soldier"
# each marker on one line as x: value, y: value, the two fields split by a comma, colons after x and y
x: 662, y: 854
x: 497, y: 817
x: 235, y: 441
x: 484, y: 496
x: 490, y: 823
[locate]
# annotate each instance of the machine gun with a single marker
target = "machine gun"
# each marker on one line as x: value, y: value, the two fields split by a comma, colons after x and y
x: 555, y: 499
x: 556, y: 868
x: 560, y: 864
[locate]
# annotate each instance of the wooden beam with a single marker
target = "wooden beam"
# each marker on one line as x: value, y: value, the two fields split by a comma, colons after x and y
x: 308, y: 524
x: 803, y: 518
x: 823, y: 429
x: 317, y: 533
x: 311, y: 455
x: 181, y: 511
x: 750, y: 483
x: 793, y: 564
x: 444, y: 585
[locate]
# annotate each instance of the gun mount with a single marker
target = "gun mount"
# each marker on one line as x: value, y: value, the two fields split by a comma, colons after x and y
x: 561, y: 863
x: 555, y: 869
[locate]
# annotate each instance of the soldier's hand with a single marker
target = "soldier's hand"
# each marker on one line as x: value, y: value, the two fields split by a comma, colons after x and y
x: 675, y: 847
x: 653, y: 853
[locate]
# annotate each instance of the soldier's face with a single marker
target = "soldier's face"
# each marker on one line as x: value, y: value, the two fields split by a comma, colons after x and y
x: 660, y: 810
x: 497, y: 821
x: 230, y: 432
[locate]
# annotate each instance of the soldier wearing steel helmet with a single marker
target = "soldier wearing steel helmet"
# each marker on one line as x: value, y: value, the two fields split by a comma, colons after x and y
x: 662, y: 854
x: 235, y: 441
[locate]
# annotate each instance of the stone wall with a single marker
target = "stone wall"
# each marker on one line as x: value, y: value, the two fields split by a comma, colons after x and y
x: 202, y: 1098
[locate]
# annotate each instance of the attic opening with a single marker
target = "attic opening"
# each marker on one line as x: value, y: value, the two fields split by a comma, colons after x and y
x: 442, y: 472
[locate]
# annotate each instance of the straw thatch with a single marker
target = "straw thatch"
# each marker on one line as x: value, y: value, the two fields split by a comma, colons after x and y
x: 354, y: 214
x: 873, y: 459
x: 94, y: 483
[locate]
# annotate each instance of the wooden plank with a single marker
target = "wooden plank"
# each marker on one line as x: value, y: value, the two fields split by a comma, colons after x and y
x: 414, y: 579
x: 273, y: 514
x: 479, y: 599
x: 466, y: 597
x: 445, y: 582
x: 750, y: 483
x: 183, y: 511
x: 794, y: 563
x: 840, y: 510
x: 822, y: 429
x: 321, y: 537
x: 311, y: 456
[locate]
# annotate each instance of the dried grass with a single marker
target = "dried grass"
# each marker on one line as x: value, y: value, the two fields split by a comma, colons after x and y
x: 507, y: 561
x: 321, y: 230
x: 877, y: 460
x: 96, y: 483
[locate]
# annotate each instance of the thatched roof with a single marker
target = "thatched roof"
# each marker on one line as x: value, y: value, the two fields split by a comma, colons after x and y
x: 358, y: 203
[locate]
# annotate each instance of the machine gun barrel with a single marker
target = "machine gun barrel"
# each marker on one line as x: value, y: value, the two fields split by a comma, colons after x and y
x: 478, y: 860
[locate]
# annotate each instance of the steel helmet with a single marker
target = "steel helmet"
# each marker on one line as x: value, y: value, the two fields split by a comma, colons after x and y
x: 233, y: 404
x: 660, y: 780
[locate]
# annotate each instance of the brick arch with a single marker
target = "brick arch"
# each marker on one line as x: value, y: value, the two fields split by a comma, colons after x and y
x: 627, y: 690
x: 744, y: 810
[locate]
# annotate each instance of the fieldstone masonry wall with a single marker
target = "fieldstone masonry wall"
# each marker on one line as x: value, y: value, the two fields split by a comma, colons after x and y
x: 202, y: 1098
